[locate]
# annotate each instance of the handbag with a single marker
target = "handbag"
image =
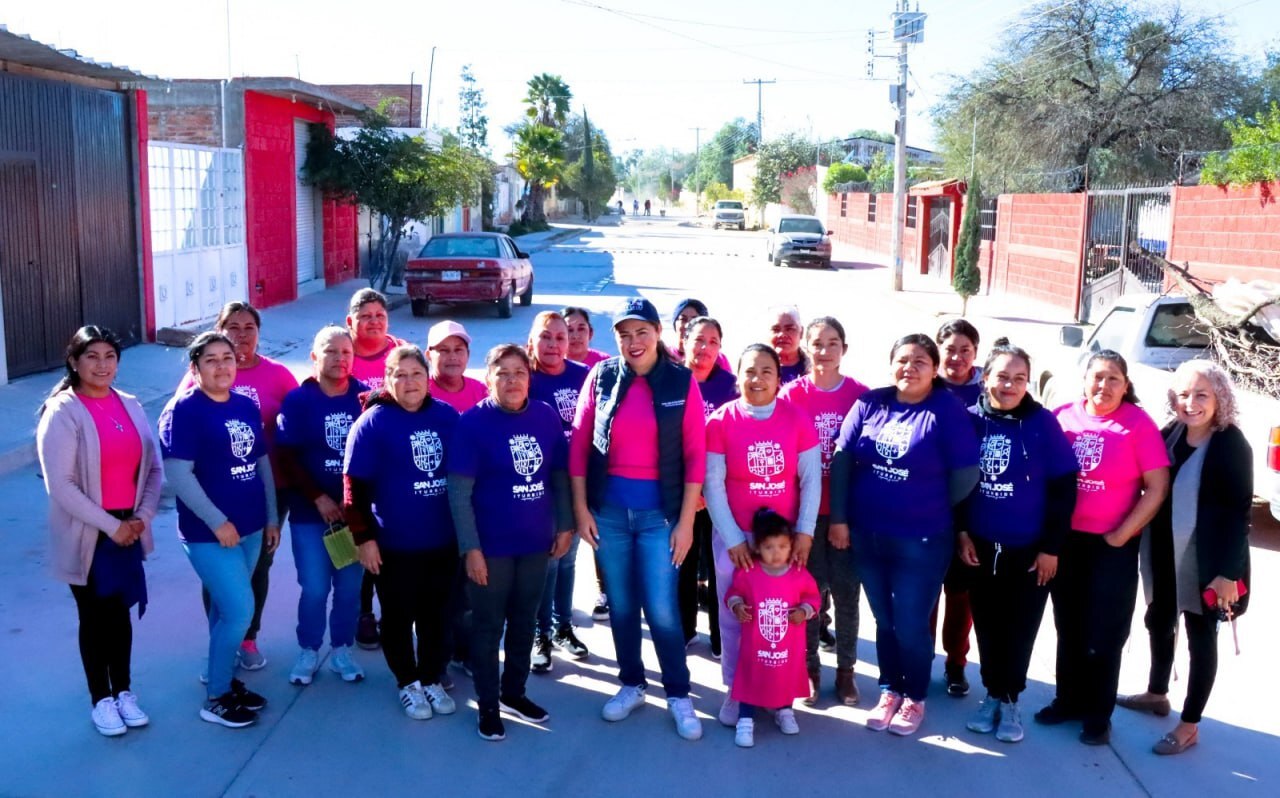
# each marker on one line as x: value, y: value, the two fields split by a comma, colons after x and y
x: 341, y: 545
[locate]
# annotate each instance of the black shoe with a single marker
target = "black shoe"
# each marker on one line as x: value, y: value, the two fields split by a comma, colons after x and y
x: 568, y: 642
x: 226, y: 710
x: 541, y: 660
x: 367, y: 636
x: 826, y: 640
x: 524, y: 709
x: 600, y: 612
x: 1056, y: 713
x: 489, y: 725
x: 246, y: 697
x: 1096, y: 735
x: 461, y: 665
x: 957, y: 684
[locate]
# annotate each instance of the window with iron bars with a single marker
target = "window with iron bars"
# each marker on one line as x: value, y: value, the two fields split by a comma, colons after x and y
x: 911, y: 211
x: 844, y: 204
x: 987, y: 213
x: 871, y: 207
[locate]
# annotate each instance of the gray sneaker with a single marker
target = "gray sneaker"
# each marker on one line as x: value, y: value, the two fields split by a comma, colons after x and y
x: 1010, y: 728
x: 342, y: 663
x: 305, y: 667
x: 250, y: 657
x: 983, y: 720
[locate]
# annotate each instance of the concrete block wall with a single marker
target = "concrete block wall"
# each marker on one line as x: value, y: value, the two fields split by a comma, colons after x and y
x: 854, y: 228
x: 1039, y: 238
x: 1224, y: 232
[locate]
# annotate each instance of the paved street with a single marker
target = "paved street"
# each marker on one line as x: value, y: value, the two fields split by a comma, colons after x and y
x: 339, y: 739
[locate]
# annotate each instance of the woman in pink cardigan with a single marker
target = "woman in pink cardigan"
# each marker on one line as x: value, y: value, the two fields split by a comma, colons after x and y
x: 103, y: 473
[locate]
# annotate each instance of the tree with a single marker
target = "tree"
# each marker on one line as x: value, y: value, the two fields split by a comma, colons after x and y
x: 398, y: 177
x: 1254, y: 156
x: 473, y: 125
x: 880, y: 173
x: 775, y: 158
x: 839, y: 173
x: 539, y: 143
x: 547, y: 100
x: 967, y: 278
x: 1111, y: 89
x: 715, y: 160
x: 718, y: 191
x: 591, y: 177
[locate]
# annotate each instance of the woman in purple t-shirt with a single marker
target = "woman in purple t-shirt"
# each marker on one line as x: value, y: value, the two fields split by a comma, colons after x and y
x: 784, y: 336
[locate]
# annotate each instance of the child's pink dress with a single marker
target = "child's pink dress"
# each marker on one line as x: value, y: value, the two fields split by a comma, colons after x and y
x: 771, y: 661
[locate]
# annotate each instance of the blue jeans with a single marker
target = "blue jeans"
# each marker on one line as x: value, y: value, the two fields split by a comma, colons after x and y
x: 635, y: 554
x: 316, y: 577
x: 226, y: 574
x: 558, y: 591
x: 902, y: 576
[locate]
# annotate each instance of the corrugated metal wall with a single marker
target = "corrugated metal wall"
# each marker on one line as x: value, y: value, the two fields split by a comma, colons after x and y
x: 65, y: 151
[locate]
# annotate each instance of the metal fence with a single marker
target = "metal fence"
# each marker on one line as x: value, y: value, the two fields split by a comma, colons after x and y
x: 1121, y: 223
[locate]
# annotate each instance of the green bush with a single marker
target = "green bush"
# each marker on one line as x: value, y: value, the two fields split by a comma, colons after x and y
x: 839, y: 173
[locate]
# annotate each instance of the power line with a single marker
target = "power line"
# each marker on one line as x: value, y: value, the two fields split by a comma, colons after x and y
x: 759, y: 106
x: 696, y: 22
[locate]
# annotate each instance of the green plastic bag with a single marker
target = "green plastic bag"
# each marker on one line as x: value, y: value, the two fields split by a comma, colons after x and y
x: 341, y: 545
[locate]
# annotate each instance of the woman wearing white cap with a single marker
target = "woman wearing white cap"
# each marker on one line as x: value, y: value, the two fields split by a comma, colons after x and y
x: 448, y: 349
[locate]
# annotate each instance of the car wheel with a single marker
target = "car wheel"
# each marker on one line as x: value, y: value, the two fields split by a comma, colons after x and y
x: 526, y: 299
x: 419, y: 307
x: 742, y: 225
x: 777, y: 260
x: 504, y: 304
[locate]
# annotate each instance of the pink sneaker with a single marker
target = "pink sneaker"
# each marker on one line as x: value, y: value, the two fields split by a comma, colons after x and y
x: 878, y: 718
x: 908, y: 718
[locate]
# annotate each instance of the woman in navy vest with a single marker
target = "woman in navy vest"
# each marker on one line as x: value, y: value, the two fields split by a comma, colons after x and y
x: 637, y: 461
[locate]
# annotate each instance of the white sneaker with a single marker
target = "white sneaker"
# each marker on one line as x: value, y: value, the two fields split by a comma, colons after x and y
x: 687, y: 724
x: 342, y: 663
x: 786, y: 720
x: 107, y: 718
x: 729, y: 712
x: 441, y: 703
x: 305, y: 667
x: 130, y: 713
x: 744, y: 735
x: 627, y: 700
x: 414, y: 701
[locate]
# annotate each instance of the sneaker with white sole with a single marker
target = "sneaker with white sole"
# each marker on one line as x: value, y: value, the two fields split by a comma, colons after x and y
x: 414, y: 701
x: 305, y: 667
x: 342, y: 663
x: 687, y: 724
x: 251, y: 659
x: 441, y: 703
x: 540, y: 662
x: 106, y: 718
x: 984, y: 718
x: 1010, y: 728
x: 600, y: 612
x: 744, y: 733
x: 130, y: 712
x: 786, y: 720
x: 524, y: 709
x: 626, y: 701
x: 226, y: 710
x: 565, y: 640
x: 878, y: 718
x: 728, y: 714
x: 908, y: 718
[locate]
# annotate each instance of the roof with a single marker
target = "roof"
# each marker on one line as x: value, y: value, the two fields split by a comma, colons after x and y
x: 22, y: 49
x: 292, y: 88
x: 951, y: 185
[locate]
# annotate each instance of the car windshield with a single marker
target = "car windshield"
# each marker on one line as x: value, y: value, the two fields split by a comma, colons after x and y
x: 460, y: 247
x: 1174, y: 326
x: 800, y: 226
x: 728, y: 206
x: 1110, y: 333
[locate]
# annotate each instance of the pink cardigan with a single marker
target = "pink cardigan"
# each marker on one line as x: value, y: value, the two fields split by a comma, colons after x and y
x: 70, y: 459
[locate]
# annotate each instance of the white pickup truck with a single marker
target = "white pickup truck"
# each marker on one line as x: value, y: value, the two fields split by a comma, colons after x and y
x: 1155, y: 333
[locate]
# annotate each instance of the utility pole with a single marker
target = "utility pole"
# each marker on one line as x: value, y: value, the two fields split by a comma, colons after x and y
x: 697, y: 160
x: 908, y: 28
x: 431, y: 73
x: 759, y: 107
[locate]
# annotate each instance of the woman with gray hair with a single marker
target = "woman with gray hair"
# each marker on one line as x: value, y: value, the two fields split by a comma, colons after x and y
x: 1197, y: 543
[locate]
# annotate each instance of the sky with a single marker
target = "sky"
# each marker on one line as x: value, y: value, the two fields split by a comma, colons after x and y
x: 647, y: 73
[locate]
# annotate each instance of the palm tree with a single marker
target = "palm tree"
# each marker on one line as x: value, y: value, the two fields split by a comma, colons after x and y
x: 539, y: 156
x: 548, y: 100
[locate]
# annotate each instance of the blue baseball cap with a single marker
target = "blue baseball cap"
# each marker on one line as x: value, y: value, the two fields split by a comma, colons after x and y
x: 637, y: 308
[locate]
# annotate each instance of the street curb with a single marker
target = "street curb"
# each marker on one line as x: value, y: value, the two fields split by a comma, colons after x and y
x: 560, y: 235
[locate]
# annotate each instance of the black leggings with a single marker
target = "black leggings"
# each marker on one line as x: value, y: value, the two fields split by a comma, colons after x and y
x: 106, y: 641
x: 699, y: 552
x: 1202, y: 641
x: 413, y: 588
x: 1007, y: 608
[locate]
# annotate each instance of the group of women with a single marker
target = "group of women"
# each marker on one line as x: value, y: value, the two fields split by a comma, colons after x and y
x: 464, y: 499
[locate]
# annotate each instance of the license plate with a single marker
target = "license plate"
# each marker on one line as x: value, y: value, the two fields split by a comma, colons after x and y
x: 451, y: 276
x: 805, y: 251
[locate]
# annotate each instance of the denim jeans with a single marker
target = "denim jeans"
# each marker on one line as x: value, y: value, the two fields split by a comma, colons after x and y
x: 226, y: 573
x: 635, y: 553
x: 902, y: 576
x: 317, y: 577
x: 557, y: 591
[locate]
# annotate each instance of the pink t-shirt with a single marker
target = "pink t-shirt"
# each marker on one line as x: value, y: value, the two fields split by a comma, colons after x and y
x: 121, y: 449
x: 633, y: 443
x: 372, y: 371
x: 761, y: 458
x: 593, y: 357
x: 827, y: 409
x: 1113, y: 452
x: 771, y: 658
x: 473, y: 392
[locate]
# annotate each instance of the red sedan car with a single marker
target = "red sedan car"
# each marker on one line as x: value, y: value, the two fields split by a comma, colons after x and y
x: 469, y: 267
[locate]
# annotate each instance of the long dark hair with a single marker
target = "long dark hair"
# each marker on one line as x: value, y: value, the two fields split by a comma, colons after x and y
x: 958, y: 327
x: 1116, y: 359
x: 1003, y: 347
x: 201, y: 342
x: 84, y: 337
x: 926, y: 343
x: 232, y: 308
x: 768, y: 350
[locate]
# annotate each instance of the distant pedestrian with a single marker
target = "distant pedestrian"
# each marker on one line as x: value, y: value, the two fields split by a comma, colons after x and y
x: 785, y: 332
x: 395, y: 480
x: 620, y: 211
x: 646, y: 208
x: 215, y: 459
x: 635, y: 207
x: 773, y: 600
x: 102, y: 470
x: 581, y: 332
x: 314, y: 422
x: 509, y: 493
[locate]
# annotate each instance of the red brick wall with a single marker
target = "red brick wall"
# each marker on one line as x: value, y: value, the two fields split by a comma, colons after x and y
x: 1038, y: 243
x: 1227, y: 232
x: 370, y: 94
x: 877, y: 236
x: 186, y: 125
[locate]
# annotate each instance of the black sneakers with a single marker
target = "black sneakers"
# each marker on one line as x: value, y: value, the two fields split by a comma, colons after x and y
x: 957, y: 684
x: 246, y: 697
x: 367, y: 636
x: 568, y: 642
x: 1057, y: 712
x: 541, y: 660
x: 489, y: 726
x: 524, y: 709
x: 226, y: 710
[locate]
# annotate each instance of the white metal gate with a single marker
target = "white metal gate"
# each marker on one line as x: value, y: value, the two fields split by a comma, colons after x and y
x: 199, y: 259
x: 305, y: 208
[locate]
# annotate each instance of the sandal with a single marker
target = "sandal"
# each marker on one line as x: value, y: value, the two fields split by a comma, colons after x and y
x: 1169, y: 744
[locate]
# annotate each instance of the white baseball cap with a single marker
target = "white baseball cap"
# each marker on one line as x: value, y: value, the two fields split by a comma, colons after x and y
x: 446, y: 329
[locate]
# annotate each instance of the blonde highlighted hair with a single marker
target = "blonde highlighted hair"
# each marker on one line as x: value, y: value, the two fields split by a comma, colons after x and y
x: 1224, y: 392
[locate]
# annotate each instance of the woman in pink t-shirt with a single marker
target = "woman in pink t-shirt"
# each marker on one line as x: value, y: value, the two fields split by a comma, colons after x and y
x: 580, y: 333
x: 1124, y: 477
x: 760, y: 453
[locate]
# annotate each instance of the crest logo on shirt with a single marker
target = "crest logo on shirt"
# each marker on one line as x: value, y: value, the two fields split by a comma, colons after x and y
x: 428, y: 450
x: 249, y: 391
x: 336, y: 427
x: 242, y: 438
x: 374, y: 383
x: 828, y: 426
x: 1088, y: 449
x: 994, y: 458
x: 894, y: 440
x: 765, y: 459
x: 771, y: 618
x: 526, y: 455
x: 566, y: 403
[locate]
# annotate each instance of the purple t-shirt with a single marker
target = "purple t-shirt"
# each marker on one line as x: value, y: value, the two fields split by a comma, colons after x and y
x: 719, y: 389
x: 793, y: 372
x: 903, y: 456
x: 224, y: 440
x: 560, y: 391
x: 316, y: 426
x: 969, y: 392
x: 406, y: 457
x: 511, y: 457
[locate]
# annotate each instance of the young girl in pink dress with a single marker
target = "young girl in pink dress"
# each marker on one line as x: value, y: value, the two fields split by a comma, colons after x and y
x: 773, y: 600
